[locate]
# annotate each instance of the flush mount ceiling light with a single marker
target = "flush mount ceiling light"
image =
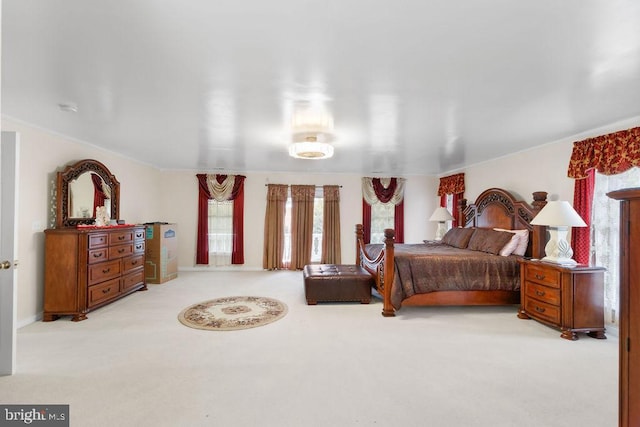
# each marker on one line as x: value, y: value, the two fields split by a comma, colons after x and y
x: 311, y: 148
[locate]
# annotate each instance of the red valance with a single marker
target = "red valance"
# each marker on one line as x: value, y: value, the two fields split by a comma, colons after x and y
x: 608, y: 154
x: 452, y: 184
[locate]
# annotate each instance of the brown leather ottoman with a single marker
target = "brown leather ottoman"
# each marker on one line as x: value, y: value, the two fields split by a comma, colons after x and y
x: 331, y: 282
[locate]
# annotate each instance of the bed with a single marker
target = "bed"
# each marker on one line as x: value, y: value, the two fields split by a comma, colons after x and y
x: 452, y: 271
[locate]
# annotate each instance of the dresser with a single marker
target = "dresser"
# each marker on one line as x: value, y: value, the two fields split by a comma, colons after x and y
x: 89, y: 267
x: 629, y: 382
x: 568, y: 298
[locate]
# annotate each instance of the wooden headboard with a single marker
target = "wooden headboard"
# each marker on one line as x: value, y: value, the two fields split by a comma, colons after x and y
x: 497, y: 208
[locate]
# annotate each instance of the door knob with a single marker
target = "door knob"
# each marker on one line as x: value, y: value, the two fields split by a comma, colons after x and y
x: 5, y: 265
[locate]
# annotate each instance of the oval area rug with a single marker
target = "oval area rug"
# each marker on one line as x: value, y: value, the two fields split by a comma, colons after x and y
x: 232, y: 313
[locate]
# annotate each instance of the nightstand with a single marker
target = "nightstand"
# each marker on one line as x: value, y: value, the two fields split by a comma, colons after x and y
x: 568, y: 298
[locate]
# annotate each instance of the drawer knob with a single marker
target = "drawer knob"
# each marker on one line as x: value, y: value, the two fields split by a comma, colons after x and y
x: 106, y: 291
x: 120, y: 237
x: 540, y: 276
x: 97, y: 255
x: 106, y: 270
x: 120, y: 250
x: 540, y: 293
x: 134, y: 262
x: 540, y: 309
x: 138, y: 246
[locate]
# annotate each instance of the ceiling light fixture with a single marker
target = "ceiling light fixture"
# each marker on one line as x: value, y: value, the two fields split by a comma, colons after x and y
x: 311, y: 148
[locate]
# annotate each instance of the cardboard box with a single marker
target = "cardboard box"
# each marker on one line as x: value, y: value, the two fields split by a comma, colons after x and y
x: 161, y: 247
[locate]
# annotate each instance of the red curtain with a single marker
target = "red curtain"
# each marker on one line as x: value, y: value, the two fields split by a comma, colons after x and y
x: 237, y: 195
x: 384, y: 195
x: 202, y: 245
x: 98, y: 193
x: 398, y: 222
x: 366, y: 221
x: 452, y: 184
x: 582, y: 203
x: 609, y: 154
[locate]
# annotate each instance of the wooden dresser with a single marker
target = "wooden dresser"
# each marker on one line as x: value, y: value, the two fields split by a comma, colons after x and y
x: 568, y: 298
x: 88, y: 267
x: 629, y: 393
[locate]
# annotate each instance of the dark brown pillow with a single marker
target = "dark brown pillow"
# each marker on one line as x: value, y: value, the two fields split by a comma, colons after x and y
x: 458, y: 237
x: 487, y: 240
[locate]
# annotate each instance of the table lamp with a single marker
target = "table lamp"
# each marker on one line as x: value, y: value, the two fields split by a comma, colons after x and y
x: 441, y: 215
x: 558, y: 216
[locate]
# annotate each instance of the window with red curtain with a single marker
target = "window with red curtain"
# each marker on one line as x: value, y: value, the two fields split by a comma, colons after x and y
x: 609, y: 154
x: 210, y: 185
x: 452, y: 184
x: 384, y: 190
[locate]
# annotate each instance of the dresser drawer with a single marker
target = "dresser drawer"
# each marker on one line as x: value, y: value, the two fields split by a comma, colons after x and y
x: 103, y: 291
x: 139, y: 235
x: 542, y: 275
x: 543, y: 293
x: 98, y: 255
x: 104, y: 271
x: 138, y: 247
x: 120, y: 251
x: 542, y: 310
x: 98, y: 240
x: 133, y: 279
x: 120, y: 237
x: 131, y: 263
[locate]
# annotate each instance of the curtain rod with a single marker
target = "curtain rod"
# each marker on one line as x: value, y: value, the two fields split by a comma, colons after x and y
x: 289, y: 185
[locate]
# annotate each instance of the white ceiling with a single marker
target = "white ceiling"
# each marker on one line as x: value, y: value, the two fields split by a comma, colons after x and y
x: 414, y: 86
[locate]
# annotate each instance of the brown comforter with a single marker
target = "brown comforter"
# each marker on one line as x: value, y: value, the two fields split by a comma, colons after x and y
x: 429, y: 267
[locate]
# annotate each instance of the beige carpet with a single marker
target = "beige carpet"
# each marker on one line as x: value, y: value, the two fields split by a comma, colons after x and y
x: 133, y: 364
x: 232, y: 313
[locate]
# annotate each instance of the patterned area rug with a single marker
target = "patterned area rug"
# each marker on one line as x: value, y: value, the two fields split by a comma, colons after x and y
x: 233, y: 313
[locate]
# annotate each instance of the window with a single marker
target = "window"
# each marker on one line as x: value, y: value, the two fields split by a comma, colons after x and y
x: 318, y: 214
x: 605, y: 234
x: 220, y: 232
x: 382, y: 216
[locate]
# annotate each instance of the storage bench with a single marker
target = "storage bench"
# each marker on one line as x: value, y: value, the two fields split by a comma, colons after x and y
x: 331, y: 283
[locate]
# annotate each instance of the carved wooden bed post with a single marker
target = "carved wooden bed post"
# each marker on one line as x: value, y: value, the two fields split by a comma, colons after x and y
x: 389, y: 272
x: 540, y: 231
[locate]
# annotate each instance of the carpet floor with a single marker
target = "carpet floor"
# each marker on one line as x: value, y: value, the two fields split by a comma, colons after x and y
x: 132, y: 363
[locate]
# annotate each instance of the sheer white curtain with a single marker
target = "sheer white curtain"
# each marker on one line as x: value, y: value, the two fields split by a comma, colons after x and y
x: 220, y: 232
x: 605, y: 234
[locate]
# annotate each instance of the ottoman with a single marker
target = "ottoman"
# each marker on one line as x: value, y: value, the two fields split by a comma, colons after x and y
x: 331, y: 282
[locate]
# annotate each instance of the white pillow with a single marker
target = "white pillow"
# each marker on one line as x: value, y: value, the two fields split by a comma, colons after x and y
x: 523, y: 241
x: 510, y: 246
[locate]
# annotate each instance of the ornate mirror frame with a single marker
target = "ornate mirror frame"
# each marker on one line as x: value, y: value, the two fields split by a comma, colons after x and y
x: 71, y: 173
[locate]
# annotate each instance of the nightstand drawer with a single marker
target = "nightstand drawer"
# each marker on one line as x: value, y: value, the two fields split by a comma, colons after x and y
x: 542, y: 310
x: 543, y: 293
x: 543, y: 275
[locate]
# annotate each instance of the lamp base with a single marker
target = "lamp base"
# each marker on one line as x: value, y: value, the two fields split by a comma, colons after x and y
x: 441, y: 231
x: 558, y: 250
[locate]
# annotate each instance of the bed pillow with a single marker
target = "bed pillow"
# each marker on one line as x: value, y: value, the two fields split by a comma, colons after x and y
x: 523, y: 240
x: 510, y: 246
x: 458, y: 237
x: 488, y: 240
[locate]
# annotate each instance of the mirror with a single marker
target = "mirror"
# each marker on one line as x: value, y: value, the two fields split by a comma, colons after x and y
x: 82, y: 187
